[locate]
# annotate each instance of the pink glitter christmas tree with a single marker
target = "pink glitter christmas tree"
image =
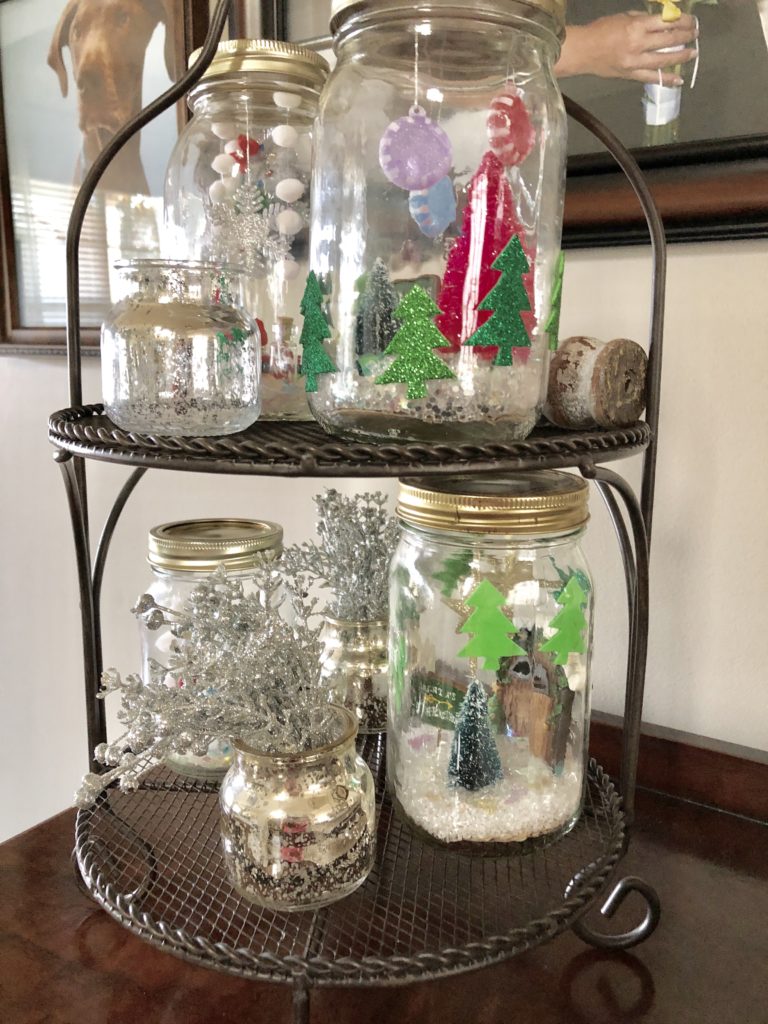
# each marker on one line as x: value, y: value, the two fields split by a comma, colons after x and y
x: 489, y: 222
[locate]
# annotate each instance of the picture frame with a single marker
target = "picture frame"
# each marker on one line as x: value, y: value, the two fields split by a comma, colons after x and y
x: 54, y: 113
x: 706, y: 189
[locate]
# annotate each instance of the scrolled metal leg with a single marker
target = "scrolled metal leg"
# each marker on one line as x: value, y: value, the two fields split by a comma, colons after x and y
x: 623, y: 940
x: 95, y: 716
x: 300, y: 999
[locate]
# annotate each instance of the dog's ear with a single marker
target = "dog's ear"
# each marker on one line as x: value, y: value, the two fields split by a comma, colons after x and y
x: 59, y: 41
x: 165, y: 14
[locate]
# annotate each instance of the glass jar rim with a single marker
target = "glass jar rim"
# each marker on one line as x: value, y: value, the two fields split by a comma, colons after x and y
x: 192, y: 266
x: 349, y: 726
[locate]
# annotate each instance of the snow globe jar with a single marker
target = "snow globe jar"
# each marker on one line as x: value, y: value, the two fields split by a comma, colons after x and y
x: 179, y: 354
x: 437, y: 197
x: 491, y: 610
x: 180, y: 555
x: 237, y: 190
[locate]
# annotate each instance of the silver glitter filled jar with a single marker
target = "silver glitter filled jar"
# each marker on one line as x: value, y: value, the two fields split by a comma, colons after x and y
x: 179, y: 353
x: 181, y: 554
x: 237, y: 191
x: 298, y: 829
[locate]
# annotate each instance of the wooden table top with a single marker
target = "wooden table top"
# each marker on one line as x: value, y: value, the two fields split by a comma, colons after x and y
x: 65, y: 961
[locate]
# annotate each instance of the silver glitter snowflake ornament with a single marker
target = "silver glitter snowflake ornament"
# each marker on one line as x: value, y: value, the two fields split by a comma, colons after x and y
x: 240, y: 666
x: 357, y: 541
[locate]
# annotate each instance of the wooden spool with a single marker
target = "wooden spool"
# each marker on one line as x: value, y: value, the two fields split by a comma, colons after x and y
x: 596, y: 383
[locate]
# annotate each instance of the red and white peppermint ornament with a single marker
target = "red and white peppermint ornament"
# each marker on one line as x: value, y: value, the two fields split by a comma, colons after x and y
x: 510, y: 132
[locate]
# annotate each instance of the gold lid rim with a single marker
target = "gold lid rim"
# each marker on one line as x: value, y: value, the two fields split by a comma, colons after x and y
x: 169, y: 549
x: 546, y: 513
x: 266, y: 55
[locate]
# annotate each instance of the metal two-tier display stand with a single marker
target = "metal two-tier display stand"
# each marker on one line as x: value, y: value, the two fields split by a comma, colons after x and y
x: 152, y: 859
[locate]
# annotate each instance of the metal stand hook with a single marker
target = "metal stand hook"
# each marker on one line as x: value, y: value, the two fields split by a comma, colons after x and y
x: 638, y: 934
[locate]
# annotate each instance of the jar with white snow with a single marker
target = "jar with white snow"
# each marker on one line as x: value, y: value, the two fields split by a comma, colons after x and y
x: 490, y: 636
x: 237, y: 192
x: 437, y: 196
x: 181, y: 554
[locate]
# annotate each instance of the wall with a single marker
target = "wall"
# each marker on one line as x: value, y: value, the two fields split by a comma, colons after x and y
x: 710, y: 551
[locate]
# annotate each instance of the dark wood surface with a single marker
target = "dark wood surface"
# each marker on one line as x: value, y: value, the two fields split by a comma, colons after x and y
x: 710, y: 772
x: 64, y: 961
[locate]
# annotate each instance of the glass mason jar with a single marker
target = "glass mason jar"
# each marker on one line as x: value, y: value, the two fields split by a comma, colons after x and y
x: 179, y: 353
x: 491, y: 612
x: 237, y: 191
x: 182, y: 554
x: 298, y: 830
x: 437, y: 197
x: 353, y: 665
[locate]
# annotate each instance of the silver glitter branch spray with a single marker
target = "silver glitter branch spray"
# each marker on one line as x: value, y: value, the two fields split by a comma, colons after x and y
x: 236, y: 668
x: 357, y: 540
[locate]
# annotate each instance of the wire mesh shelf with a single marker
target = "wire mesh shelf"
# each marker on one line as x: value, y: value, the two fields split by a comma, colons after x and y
x: 152, y: 859
x: 283, y: 448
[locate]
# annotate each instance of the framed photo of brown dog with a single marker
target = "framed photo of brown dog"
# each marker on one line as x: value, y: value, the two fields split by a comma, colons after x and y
x: 72, y: 73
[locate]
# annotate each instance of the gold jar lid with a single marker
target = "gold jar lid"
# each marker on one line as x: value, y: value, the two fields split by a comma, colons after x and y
x: 202, y: 545
x: 285, y: 62
x: 535, y: 504
x: 555, y: 9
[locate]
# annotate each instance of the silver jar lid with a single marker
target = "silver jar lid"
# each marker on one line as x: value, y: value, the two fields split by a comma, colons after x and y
x: 202, y: 545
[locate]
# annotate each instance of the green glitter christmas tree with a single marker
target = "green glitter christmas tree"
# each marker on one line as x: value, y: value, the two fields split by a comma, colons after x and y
x: 552, y: 326
x: 455, y: 567
x: 570, y: 624
x: 314, y: 358
x: 416, y: 363
x: 475, y: 761
x: 490, y: 626
x: 507, y: 299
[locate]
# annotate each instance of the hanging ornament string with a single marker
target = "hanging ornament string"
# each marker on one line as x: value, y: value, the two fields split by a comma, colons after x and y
x: 416, y: 67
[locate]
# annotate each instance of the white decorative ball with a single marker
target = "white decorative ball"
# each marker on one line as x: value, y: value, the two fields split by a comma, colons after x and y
x: 289, y: 190
x: 289, y: 269
x: 285, y: 135
x: 223, y: 163
x: 218, y: 191
x: 230, y: 184
x: 287, y: 100
x: 224, y: 130
x: 289, y: 222
x: 233, y: 146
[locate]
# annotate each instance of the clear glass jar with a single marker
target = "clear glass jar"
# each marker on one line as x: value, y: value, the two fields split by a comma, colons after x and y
x: 237, y: 191
x: 491, y: 612
x: 353, y: 665
x: 181, y: 554
x: 298, y: 830
x: 437, y: 197
x: 179, y: 353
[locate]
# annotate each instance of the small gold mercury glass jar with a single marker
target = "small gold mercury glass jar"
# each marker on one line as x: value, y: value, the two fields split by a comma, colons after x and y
x: 490, y: 635
x: 181, y: 554
x: 298, y: 829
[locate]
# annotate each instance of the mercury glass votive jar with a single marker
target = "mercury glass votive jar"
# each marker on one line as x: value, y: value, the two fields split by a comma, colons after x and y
x: 490, y: 640
x: 237, y: 191
x: 182, y: 554
x: 179, y: 353
x: 353, y: 666
x: 298, y: 829
x: 437, y: 197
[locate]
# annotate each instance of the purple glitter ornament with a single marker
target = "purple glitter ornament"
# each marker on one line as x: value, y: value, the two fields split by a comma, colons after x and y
x: 414, y: 152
